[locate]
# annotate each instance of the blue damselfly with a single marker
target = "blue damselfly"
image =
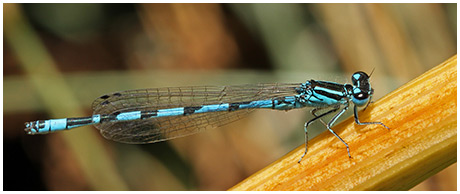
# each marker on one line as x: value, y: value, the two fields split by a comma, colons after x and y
x: 159, y: 114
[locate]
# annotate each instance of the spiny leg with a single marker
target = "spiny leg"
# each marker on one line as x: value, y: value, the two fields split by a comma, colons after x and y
x: 335, y: 108
x: 366, y: 123
x: 332, y: 121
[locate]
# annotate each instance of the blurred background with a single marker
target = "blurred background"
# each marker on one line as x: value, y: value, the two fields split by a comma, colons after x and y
x: 59, y: 57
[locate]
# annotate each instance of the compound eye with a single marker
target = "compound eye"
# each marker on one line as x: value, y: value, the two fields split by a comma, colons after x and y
x: 360, y: 97
x: 358, y: 77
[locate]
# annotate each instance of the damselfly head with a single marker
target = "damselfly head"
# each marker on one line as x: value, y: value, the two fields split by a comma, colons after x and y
x: 362, y: 90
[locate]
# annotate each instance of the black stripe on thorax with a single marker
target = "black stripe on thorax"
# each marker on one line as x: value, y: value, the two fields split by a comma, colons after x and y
x: 329, y: 89
x: 329, y: 95
x: 327, y: 85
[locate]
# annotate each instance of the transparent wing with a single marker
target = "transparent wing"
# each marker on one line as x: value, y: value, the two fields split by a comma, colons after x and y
x: 164, y: 128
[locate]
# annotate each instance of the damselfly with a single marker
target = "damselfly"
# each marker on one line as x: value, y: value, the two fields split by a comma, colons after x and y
x: 159, y: 114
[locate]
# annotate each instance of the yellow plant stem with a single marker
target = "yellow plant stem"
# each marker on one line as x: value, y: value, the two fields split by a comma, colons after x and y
x: 422, y: 140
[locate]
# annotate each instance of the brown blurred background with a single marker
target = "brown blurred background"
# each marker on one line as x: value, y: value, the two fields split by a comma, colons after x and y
x: 59, y: 57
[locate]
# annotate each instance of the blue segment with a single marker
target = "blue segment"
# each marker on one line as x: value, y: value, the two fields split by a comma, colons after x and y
x: 171, y: 112
x: 53, y: 125
x: 58, y: 124
x: 213, y: 108
x: 129, y: 116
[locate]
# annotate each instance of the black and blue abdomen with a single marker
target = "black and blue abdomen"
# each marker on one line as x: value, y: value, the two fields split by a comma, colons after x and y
x: 166, y: 113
